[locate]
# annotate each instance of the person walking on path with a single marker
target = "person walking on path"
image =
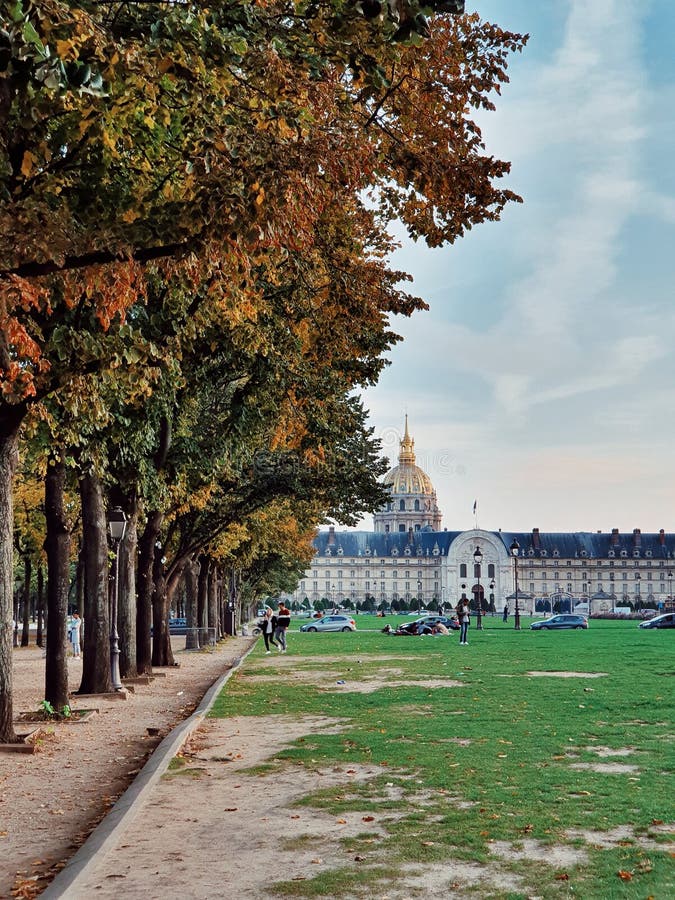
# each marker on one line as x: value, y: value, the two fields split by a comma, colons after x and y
x: 505, y: 616
x: 268, y: 626
x: 283, y: 621
x: 463, y: 616
x: 75, y: 626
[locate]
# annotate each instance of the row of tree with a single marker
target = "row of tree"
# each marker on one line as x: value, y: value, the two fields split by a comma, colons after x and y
x: 195, y: 205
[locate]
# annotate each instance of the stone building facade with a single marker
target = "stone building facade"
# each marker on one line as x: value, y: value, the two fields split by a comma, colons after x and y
x: 410, y: 559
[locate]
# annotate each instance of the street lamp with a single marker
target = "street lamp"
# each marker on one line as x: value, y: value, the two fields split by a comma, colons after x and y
x: 332, y: 596
x: 637, y: 590
x: 419, y: 594
x: 478, y: 559
x: 670, y: 586
x: 492, y: 597
x: 117, y: 525
x: 515, y: 549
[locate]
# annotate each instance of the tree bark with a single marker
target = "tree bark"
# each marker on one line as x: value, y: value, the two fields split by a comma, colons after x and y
x: 192, y: 636
x: 202, y: 601
x: 57, y: 548
x: 213, y: 603
x: 146, y: 558
x: 96, y: 647
x: 126, y: 613
x: 162, y: 654
x: 9, y: 438
x: 40, y: 605
x: 27, y: 578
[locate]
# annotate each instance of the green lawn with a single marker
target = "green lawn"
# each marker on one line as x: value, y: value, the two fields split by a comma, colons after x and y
x: 502, y: 758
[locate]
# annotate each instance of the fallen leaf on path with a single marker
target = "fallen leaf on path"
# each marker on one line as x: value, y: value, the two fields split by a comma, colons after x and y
x: 625, y: 876
x: 367, y: 818
x: 562, y: 876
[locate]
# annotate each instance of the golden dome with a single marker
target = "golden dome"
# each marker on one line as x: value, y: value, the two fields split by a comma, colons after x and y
x: 407, y: 477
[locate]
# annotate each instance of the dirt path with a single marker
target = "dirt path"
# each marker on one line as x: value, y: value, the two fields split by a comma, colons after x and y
x: 51, y: 800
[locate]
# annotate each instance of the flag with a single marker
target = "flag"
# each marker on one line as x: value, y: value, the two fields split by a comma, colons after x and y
x: 475, y: 506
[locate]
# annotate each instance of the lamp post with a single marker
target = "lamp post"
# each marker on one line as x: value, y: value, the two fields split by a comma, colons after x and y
x: 637, y: 590
x: 419, y: 596
x: 492, y: 597
x: 515, y: 549
x: 670, y: 586
x: 332, y: 596
x: 478, y: 559
x: 117, y: 525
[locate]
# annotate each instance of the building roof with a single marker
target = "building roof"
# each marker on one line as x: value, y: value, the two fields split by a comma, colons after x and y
x: 533, y: 545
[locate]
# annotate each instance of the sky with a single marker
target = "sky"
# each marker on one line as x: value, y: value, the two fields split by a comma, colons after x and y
x: 541, y: 382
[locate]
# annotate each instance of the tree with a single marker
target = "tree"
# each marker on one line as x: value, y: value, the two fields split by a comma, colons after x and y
x: 321, y: 104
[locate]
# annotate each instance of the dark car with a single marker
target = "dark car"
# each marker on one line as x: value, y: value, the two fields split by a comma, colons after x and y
x: 450, y: 624
x: 177, y: 626
x: 665, y: 620
x: 564, y: 620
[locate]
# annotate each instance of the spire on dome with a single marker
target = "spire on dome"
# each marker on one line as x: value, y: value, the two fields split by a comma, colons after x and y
x: 407, y: 452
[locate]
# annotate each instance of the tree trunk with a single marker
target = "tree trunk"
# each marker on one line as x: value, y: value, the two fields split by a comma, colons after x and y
x: 126, y: 613
x: 96, y: 646
x: 213, y: 603
x: 40, y: 605
x: 57, y: 548
x: 79, y: 583
x: 192, y: 636
x: 202, y: 600
x: 162, y: 654
x: 27, y: 578
x: 146, y: 558
x: 9, y: 438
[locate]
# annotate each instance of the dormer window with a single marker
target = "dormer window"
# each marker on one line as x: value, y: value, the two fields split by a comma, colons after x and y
x: 340, y: 551
x: 636, y: 553
x: 394, y: 552
x: 584, y: 553
x: 556, y: 553
x: 530, y: 552
x: 623, y: 554
x: 611, y: 554
x: 328, y: 552
x: 407, y: 551
x: 544, y: 552
x: 648, y: 554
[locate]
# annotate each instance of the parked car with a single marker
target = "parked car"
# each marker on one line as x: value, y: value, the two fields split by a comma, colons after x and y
x: 177, y: 626
x: 564, y: 620
x: 665, y: 620
x: 452, y: 624
x: 330, y: 623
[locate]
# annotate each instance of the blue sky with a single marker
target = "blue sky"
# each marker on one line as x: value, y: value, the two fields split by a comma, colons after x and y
x: 541, y: 381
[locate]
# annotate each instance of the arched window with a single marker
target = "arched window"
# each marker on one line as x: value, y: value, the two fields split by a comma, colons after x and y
x: 462, y: 570
x: 401, y: 504
x: 417, y: 505
x: 491, y: 570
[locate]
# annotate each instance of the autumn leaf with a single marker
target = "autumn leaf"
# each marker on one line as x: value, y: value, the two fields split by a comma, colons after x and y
x: 625, y: 876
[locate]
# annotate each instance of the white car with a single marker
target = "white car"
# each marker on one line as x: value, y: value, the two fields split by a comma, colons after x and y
x: 330, y: 623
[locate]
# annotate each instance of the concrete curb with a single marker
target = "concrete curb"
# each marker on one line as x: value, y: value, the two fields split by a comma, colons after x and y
x: 107, y: 832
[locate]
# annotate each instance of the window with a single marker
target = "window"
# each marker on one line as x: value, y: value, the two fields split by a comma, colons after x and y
x: 462, y: 570
x: 401, y: 528
x: 491, y: 570
x: 401, y: 505
x: 417, y: 505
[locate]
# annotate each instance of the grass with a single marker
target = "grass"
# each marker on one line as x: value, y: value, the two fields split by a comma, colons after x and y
x: 491, y: 760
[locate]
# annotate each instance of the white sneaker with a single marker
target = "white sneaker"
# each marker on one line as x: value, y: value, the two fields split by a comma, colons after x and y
x: 267, y: 652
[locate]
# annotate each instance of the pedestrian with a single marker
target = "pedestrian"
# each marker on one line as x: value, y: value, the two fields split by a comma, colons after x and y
x: 267, y: 625
x: 463, y: 615
x: 283, y: 621
x: 505, y: 615
x: 75, y: 626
